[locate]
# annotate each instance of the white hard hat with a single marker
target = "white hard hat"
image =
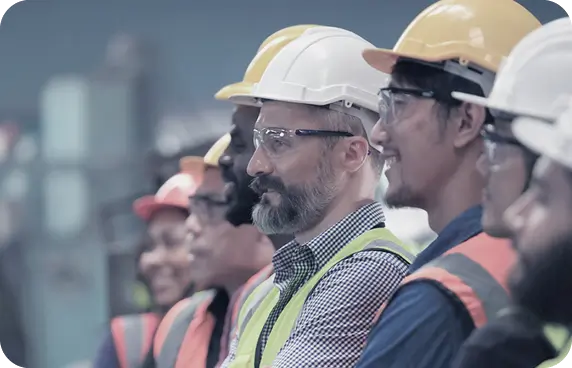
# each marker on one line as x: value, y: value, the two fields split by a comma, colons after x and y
x: 323, y: 67
x: 535, y: 74
x: 551, y: 140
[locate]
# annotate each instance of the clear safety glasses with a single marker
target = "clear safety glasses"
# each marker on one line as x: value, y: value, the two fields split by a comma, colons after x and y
x: 279, y: 141
x: 395, y: 102
x: 500, y: 150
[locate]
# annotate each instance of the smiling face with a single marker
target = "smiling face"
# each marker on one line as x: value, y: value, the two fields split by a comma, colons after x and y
x: 165, y: 261
x: 426, y: 137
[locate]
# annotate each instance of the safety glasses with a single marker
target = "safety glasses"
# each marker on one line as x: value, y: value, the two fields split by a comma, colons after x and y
x: 279, y: 141
x: 395, y: 102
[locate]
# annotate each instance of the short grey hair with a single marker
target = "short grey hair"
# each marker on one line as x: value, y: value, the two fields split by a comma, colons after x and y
x: 339, y: 121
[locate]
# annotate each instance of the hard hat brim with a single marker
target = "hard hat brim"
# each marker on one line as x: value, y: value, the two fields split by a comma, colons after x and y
x: 146, y: 206
x: 384, y: 59
x: 474, y: 99
x: 240, y: 88
x: 542, y: 138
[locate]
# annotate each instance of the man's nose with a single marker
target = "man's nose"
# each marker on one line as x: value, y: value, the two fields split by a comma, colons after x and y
x: 259, y: 164
x: 193, y: 225
x: 379, y: 135
x: 515, y: 215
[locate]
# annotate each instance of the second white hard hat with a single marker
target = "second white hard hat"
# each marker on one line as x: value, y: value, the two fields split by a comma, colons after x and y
x: 536, y: 73
x: 323, y: 67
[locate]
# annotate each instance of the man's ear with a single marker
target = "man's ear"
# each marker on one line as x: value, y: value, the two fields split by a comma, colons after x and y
x: 353, y: 153
x: 469, y: 122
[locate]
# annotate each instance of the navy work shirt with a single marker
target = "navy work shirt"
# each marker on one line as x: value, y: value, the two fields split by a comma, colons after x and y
x: 423, y: 327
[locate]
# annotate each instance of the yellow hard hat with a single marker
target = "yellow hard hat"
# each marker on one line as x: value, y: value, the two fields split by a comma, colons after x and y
x: 477, y: 32
x: 194, y: 164
x: 266, y: 52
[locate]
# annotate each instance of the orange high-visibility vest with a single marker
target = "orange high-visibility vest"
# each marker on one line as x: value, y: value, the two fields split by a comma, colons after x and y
x: 475, y: 273
x: 188, y: 324
x: 132, y: 337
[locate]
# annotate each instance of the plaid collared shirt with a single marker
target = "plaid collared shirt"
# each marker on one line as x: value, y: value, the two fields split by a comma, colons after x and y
x: 333, y: 326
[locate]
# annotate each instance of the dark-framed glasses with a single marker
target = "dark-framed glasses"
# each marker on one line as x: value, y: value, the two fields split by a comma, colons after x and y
x: 277, y: 141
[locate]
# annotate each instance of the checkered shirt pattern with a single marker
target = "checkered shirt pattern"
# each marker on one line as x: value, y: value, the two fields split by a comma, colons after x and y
x: 332, y: 328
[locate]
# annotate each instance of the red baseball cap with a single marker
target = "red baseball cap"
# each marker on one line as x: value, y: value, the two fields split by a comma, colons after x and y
x: 174, y: 193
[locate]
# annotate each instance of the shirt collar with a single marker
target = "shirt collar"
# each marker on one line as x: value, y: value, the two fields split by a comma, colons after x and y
x: 331, y: 241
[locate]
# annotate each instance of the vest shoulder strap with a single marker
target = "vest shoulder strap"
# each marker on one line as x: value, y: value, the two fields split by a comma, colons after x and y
x: 252, y: 303
x: 471, y: 274
x: 173, y: 328
x: 132, y: 337
x: 402, y: 251
x: 375, y: 239
x: 246, y: 291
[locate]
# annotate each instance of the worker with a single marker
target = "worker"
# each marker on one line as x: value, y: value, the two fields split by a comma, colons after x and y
x: 540, y: 220
x: 431, y: 143
x: 536, y: 74
x: 314, y: 171
x: 233, y: 163
x: 193, y: 333
x: 164, y: 267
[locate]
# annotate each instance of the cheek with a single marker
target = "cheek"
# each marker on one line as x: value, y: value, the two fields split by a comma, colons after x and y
x: 297, y: 169
x: 146, y: 263
x: 506, y: 186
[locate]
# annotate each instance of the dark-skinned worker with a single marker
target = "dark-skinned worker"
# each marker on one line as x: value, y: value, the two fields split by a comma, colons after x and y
x: 164, y: 267
x: 315, y: 173
x: 530, y: 83
x: 195, y: 332
x: 240, y: 197
x: 431, y: 143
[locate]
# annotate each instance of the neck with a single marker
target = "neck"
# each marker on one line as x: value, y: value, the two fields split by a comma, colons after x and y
x: 462, y: 191
x: 279, y: 240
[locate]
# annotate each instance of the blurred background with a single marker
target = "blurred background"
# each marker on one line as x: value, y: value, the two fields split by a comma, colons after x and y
x: 98, y: 101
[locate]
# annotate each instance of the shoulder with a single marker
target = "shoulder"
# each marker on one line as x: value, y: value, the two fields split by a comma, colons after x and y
x: 370, y: 262
x: 365, y: 277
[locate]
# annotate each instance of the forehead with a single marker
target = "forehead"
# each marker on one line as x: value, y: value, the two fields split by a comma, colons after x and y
x: 167, y: 216
x: 285, y: 115
x: 212, y: 182
x: 243, y: 118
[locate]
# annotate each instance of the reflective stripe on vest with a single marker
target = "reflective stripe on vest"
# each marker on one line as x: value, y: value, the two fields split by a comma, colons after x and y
x: 248, y: 288
x: 184, y: 334
x: 132, y: 337
x: 475, y: 272
x: 260, y: 303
